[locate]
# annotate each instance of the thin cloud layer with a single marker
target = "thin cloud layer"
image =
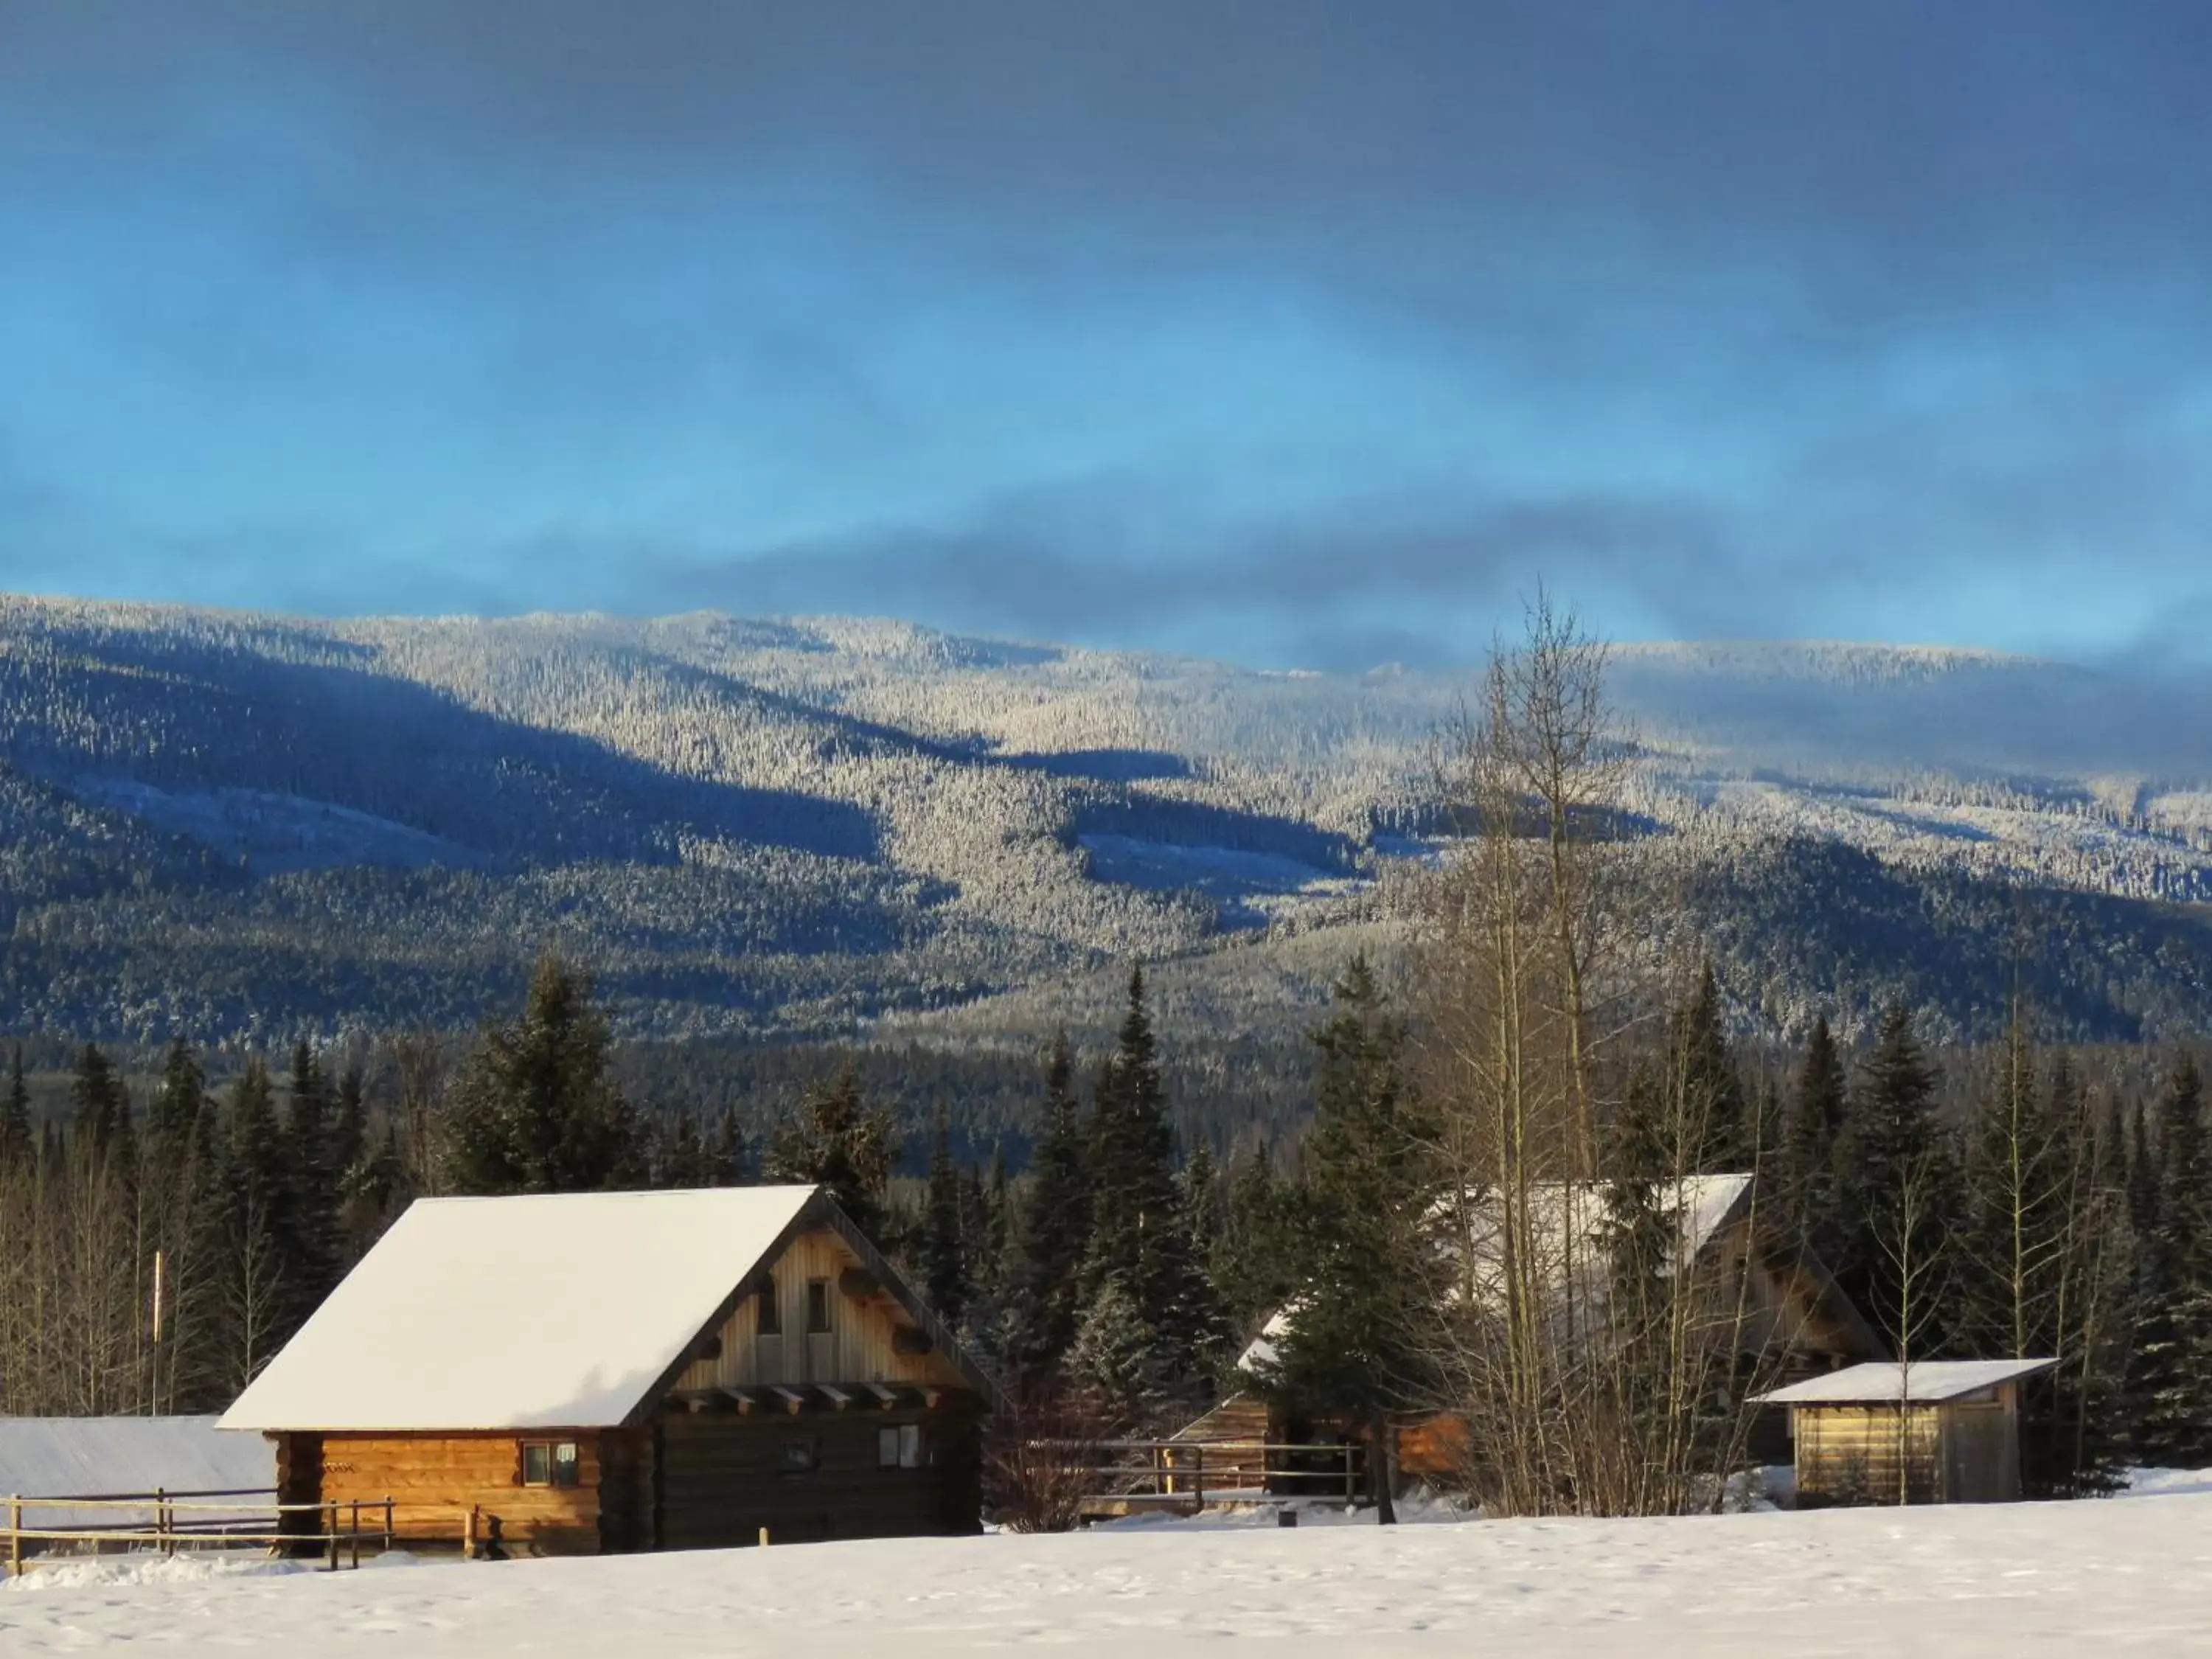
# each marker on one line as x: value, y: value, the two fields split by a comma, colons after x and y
x: 1293, y: 331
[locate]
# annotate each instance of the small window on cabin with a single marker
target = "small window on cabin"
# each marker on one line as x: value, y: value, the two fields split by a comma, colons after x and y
x: 549, y: 1463
x: 817, y: 1306
x: 899, y: 1447
x: 769, y: 1315
x: 800, y: 1456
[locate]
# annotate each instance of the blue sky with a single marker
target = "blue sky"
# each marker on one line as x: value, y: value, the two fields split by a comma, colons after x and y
x: 1288, y: 331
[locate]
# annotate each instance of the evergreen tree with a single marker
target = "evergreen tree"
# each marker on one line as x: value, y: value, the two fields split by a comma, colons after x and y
x: 1116, y: 1356
x: 349, y: 1124
x: 726, y: 1159
x: 535, y: 1109
x: 1254, y: 1264
x: 1368, y: 1275
x: 943, y: 1252
x: 838, y: 1141
x: 1049, y: 1232
x: 1133, y: 1218
x: 179, y: 1098
x: 683, y: 1160
x: 99, y: 1105
x: 16, y: 1141
x: 1811, y: 1127
x: 311, y: 1241
x: 1713, y: 1106
x: 1195, y: 1331
x: 2173, y: 1380
x: 1897, y: 1190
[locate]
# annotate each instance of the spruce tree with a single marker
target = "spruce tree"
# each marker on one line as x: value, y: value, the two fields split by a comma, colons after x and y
x: 179, y: 1097
x: 943, y: 1254
x: 2171, y: 1381
x: 1196, y: 1337
x: 99, y: 1105
x: 16, y: 1141
x: 535, y: 1109
x: 1253, y: 1261
x: 312, y: 1248
x: 1133, y: 1218
x: 1812, y: 1125
x: 1897, y: 1192
x: 1369, y: 1278
x: 726, y: 1159
x: 1713, y: 1106
x: 1049, y: 1231
x: 1115, y: 1355
x: 838, y: 1141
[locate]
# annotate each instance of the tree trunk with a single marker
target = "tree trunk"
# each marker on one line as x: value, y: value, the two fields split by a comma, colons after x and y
x: 1379, y: 1470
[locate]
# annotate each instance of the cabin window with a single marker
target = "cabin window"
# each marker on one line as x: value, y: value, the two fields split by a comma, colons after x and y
x: 801, y: 1455
x: 818, y: 1307
x: 899, y: 1447
x: 769, y: 1316
x: 549, y: 1463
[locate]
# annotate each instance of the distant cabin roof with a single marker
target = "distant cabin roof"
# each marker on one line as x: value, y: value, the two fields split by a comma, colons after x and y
x: 124, y: 1457
x: 540, y: 1311
x: 1571, y: 1223
x: 1929, y: 1382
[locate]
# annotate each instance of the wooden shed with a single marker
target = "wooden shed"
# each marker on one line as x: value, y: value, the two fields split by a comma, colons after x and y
x: 1936, y: 1431
x: 622, y: 1371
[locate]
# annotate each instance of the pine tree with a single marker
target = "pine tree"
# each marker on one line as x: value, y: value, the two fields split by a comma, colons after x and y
x: 16, y: 1141
x: 726, y: 1159
x: 838, y: 1141
x: 1897, y: 1189
x: 311, y: 1240
x: 1116, y: 1356
x: 1368, y: 1275
x: 1049, y: 1231
x: 1811, y: 1127
x: 2172, y: 1381
x: 1133, y: 1216
x: 100, y: 1107
x: 1714, y: 1104
x: 943, y: 1254
x: 535, y: 1109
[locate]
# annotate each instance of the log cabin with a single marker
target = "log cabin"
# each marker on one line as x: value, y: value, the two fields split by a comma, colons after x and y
x: 1797, y: 1321
x: 621, y: 1371
x: 1934, y: 1431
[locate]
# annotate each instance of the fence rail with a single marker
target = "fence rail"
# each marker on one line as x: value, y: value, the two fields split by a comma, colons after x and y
x: 166, y: 1524
x: 1185, y: 1473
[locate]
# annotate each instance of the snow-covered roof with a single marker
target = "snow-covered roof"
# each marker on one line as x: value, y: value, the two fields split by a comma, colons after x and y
x: 1885, y: 1383
x: 1568, y: 1223
x: 125, y: 1457
x: 539, y: 1311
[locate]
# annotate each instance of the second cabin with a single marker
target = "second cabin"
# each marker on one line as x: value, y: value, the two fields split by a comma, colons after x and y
x: 616, y: 1371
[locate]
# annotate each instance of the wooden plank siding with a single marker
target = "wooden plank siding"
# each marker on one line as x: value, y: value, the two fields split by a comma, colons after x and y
x: 861, y: 1347
x: 1962, y: 1451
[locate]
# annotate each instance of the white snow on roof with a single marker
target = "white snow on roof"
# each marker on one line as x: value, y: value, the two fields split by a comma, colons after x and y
x: 1568, y: 1223
x: 541, y: 1311
x: 1885, y: 1382
x: 126, y: 1457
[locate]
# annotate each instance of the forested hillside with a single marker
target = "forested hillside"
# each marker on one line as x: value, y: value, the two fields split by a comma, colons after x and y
x: 256, y: 828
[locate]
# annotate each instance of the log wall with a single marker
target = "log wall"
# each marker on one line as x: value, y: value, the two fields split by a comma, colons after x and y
x: 434, y: 1480
x: 725, y: 1477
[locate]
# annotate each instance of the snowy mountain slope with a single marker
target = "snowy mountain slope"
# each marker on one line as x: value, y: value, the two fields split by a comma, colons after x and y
x: 231, y: 823
x: 1967, y: 1582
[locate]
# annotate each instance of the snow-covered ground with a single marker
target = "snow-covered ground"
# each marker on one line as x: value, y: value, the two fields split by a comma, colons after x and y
x: 2129, y: 1577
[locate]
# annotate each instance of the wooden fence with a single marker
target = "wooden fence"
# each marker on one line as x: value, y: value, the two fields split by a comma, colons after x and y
x: 1137, y: 1476
x: 168, y: 1522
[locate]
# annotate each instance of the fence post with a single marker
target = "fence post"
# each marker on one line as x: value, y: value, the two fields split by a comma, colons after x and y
x: 469, y: 1535
x: 330, y: 1534
x: 356, y: 1533
x: 161, y: 1519
x: 14, y: 1537
x: 1198, y: 1476
x: 1350, y: 1487
x: 387, y: 1525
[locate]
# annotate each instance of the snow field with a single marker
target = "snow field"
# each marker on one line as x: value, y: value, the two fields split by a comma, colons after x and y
x: 2115, y: 1578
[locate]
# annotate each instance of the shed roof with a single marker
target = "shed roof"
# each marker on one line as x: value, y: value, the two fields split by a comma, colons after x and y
x: 538, y: 1311
x: 125, y: 1457
x: 1930, y: 1382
